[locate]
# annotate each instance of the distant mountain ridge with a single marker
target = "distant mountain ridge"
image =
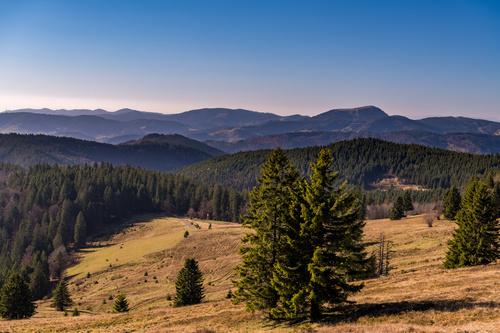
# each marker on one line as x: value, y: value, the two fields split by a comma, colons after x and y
x: 232, y: 129
x: 26, y: 150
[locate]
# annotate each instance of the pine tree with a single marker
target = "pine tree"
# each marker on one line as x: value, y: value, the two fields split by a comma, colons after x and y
x: 60, y: 297
x: 496, y: 198
x: 39, y: 282
x: 80, y: 231
x: 59, y: 264
x: 476, y: 241
x: 121, y: 304
x: 268, y: 215
x: 407, y: 201
x: 397, y: 211
x: 189, y: 284
x: 66, y: 221
x: 318, y: 248
x: 452, y: 202
x: 15, y: 299
x: 330, y: 244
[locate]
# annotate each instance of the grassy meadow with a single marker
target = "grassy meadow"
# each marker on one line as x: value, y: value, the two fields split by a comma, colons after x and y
x: 142, y: 260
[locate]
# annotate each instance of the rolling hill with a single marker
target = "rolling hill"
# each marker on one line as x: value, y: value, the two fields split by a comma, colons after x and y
x: 416, y: 296
x: 175, y: 139
x: 461, y: 142
x: 26, y: 150
x: 359, y: 161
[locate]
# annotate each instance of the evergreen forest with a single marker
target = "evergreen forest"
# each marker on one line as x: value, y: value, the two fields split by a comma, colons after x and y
x: 360, y: 162
x: 46, y: 210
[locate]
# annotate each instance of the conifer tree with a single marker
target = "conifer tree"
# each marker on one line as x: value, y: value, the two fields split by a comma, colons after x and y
x: 80, y: 231
x: 452, y: 202
x: 496, y: 198
x: 330, y: 245
x: 476, y: 241
x: 15, y: 299
x: 121, y: 304
x: 269, y: 216
x: 59, y: 264
x: 66, y: 221
x: 189, y: 284
x: 397, y: 211
x: 60, y: 297
x: 407, y: 201
x: 319, y: 247
x: 39, y: 282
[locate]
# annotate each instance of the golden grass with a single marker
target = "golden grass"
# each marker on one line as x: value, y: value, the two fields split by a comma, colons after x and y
x: 417, y: 296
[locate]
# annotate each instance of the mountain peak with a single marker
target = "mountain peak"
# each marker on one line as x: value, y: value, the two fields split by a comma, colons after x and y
x: 359, y: 114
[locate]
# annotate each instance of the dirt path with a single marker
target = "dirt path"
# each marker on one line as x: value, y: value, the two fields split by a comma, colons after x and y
x: 187, y: 224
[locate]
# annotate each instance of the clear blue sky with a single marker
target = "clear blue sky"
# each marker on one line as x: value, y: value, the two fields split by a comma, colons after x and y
x: 414, y: 58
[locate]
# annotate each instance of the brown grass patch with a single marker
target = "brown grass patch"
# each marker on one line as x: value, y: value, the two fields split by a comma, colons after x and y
x: 416, y: 296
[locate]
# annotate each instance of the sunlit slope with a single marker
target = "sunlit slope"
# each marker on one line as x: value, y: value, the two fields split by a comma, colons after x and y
x: 418, y: 295
x: 129, y: 246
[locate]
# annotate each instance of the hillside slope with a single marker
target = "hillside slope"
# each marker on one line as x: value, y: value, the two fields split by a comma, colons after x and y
x: 359, y: 161
x: 26, y: 150
x: 417, y: 295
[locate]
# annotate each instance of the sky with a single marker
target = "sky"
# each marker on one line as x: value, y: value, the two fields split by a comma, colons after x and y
x: 412, y: 58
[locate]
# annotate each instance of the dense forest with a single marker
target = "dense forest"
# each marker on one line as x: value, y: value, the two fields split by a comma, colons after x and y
x: 360, y: 162
x: 166, y: 154
x: 50, y: 208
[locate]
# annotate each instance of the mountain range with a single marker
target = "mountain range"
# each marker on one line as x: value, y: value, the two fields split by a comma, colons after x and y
x: 233, y: 130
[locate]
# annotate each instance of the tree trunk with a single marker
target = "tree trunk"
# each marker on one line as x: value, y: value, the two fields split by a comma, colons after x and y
x: 315, y: 311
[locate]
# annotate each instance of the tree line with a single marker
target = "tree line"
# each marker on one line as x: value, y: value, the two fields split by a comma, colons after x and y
x: 48, y: 209
x: 362, y: 161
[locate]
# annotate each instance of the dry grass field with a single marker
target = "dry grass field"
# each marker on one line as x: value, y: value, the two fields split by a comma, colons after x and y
x: 143, y: 259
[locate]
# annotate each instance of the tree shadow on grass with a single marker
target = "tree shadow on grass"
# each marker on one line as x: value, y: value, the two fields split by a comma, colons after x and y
x: 353, y: 312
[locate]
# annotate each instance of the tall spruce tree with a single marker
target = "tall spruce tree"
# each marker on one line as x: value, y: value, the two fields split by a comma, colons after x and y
x: 269, y: 216
x: 407, y: 201
x: 15, y: 299
x: 319, y: 246
x: 476, y: 241
x: 80, y: 231
x: 189, y: 284
x: 60, y: 297
x: 397, y: 211
x: 331, y: 235
x: 39, y: 282
x: 452, y: 202
x: 496, y: 198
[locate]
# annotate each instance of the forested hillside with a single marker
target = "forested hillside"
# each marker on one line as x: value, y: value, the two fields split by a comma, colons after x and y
x: 360, y: 161
x: 26, y: 150
x: 47, y: 208
x: 462, y: 142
